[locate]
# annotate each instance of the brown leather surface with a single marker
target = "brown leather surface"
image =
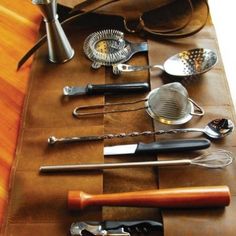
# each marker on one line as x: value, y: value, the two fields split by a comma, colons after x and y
x: 212, y: 93
x: 118, y: 7
x: 162, y: 18
x: 38, y: 202
x: 134, y: 10
x: 123, y: 180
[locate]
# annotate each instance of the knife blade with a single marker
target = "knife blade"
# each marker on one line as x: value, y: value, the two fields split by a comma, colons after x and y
x: 96, y: 89
x: 177, y: 145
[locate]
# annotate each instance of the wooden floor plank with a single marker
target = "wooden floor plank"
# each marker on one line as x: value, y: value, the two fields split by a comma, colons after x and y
x: 19, y: 22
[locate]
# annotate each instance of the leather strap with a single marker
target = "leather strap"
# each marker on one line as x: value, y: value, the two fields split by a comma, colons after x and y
x: 176, y: 32
x: 164, y: 32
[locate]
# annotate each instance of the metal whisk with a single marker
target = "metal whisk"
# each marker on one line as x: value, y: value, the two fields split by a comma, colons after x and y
x: 217, y: 159
x: 168, y: 104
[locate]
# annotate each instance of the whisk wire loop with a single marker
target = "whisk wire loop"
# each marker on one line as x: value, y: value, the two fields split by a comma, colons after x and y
x: 217, y: 159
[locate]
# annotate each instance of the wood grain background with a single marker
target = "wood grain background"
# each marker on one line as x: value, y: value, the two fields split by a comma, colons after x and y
x: 19, y: 21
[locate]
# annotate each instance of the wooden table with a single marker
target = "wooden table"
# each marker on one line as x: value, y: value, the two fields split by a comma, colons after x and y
x: 19, y: 21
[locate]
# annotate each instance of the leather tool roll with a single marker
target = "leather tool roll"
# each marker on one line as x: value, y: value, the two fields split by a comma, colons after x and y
x: 38, y: 203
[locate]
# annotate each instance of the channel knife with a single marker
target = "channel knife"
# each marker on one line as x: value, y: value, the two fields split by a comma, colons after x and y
x: 177, y: 145
x: 96, y: 89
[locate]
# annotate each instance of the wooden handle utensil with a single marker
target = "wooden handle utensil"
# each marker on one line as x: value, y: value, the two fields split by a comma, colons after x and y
x: 188, y: 197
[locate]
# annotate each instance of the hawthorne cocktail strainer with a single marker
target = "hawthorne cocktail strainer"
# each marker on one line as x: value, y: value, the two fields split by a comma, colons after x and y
x: 109, y: 47
x: 169, y: 104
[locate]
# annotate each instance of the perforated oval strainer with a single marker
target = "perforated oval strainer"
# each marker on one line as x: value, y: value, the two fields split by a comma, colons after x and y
x: 108, y: 47
x: 187, y: 63
x: 169, y: 104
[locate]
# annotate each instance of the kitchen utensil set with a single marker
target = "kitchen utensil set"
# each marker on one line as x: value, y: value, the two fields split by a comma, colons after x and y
x: 168, y: 104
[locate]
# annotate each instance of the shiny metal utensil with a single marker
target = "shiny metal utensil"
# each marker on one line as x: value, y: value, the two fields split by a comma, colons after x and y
x: 218, y: 159
x: 168, y: 104
x: 187, y: 63
x: 114, y: 228
x: 108, y: 47
x: 59, y: 47
x: 216, y: 129
x: 95, y: 89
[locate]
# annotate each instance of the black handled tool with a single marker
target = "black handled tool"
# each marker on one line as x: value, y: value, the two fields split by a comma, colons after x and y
x: 115, y: 228
x: 177, y: 145
x: 96, y: 89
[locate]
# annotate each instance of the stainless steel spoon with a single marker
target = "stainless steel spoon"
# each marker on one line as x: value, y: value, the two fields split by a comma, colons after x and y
x: 215, y: 129
x: 187, y: 63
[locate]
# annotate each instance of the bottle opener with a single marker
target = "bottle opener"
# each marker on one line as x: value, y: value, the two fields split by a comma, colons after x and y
x: 114, y: 228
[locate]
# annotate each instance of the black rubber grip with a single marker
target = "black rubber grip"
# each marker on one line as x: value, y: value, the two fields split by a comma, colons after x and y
x: 131, y: 226
x: 93, y: 89
x: 177, y: 145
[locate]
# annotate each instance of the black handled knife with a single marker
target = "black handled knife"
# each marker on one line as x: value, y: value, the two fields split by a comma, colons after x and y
x: 96, y: 89
x: 177, y: 145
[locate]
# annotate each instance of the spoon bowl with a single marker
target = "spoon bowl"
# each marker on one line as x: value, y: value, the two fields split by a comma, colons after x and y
x: 219, y: 128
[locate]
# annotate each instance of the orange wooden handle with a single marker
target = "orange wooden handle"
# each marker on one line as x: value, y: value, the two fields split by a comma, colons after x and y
x: 189, y: 197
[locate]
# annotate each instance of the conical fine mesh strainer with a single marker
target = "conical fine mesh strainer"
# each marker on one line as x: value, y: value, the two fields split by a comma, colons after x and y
x: 168, y: 104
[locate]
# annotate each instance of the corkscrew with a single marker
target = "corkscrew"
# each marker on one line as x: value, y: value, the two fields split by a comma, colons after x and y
x: 115, y: 228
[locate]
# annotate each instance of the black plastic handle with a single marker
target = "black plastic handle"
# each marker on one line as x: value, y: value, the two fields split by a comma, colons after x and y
x: 138, y: 87
x: 177, y: 145
x: 139, y: 226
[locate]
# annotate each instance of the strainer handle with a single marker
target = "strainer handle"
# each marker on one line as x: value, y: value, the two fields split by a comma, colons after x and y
x: 78, y: 110
x: 199, y: 110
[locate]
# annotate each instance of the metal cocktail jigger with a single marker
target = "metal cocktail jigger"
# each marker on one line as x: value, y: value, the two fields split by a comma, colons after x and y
x: 59, y: 47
